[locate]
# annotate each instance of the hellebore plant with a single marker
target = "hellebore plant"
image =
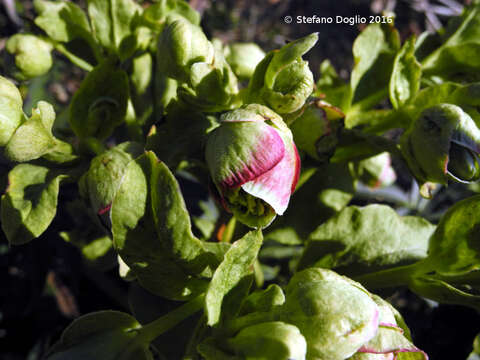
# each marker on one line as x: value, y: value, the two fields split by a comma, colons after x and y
x: 166, y: 121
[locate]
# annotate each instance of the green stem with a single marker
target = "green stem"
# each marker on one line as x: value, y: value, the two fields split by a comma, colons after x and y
x: 151, y: 331
x: 73, y: 58
x: 398, y: 276
x: 198, y: 334
x: 229, y: 230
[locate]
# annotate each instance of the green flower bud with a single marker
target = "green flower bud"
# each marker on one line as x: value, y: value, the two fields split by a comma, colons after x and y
x: 283, y: 79
x: 101, y: 182
x: 316, y: 130
x: 182, y: 44
x: 105, y: 335
x: 443, y: 144
x: 11, y: 113
x: 32, y: 55
x: 244, y: 58
x: 212, y: 87
x: 376, y: 171
x: 269, y: 340
x: 336, y: 315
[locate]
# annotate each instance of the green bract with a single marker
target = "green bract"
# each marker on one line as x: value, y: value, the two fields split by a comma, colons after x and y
x: 11, y: 113
x: 243, y: 58
x: 336, y: 315
x: 101, y: 182
x: 181, y: 45
x: 269, y: 340
x: 32, y: 55
x: 33, y: 138
x: 443, y: 144
x: 283, y: 80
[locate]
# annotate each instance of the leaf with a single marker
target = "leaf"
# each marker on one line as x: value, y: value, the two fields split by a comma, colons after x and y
x: 237, y: 264
x: 137, y: 242
x: 101, y: 335
x: 100, y: 104
x: 172, y: 221
x: 62, y: 20
x: 406, y: 74
x: 111, y: 20
x: 30, y: 202
x: 443, y: 292
x: 374, y: 51
x: 264, y: 300
x: 332, y: 88
x: 359, y: 240
x: 459, y: 51
x: 454, y: 247
x: 431, y: 96
x: 188, y: 128
x: 33, y: 138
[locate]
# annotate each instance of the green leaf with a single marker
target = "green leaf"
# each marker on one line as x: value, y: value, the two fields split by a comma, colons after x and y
x: 63, y: 21
x: 105, y: 335
x: 359, y: 240
x: 237, y: 264
x: 264, y: 300
x: 459, y: 51
x: 136, y: 240
x: 100, y: 104
x: 30, y: 202
x: 332, y: 88
x: 406, y: 73
x: 443, y: 292
x: 188, y: 128
x: 431, y: 96
x: 374, y: 51
x: 454, y: 248
x: 172, y: 221
x: 111, y: 20
x: 33, y: 138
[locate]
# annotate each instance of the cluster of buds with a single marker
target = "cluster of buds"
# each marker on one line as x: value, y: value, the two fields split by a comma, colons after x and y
x: 322, y: 315
x: 206, y: 80
x: 340, y: 319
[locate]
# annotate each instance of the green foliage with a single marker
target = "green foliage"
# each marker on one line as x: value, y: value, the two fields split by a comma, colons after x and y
x: 164, y: 113
x: 359, y: 240
x: 29, y: 203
